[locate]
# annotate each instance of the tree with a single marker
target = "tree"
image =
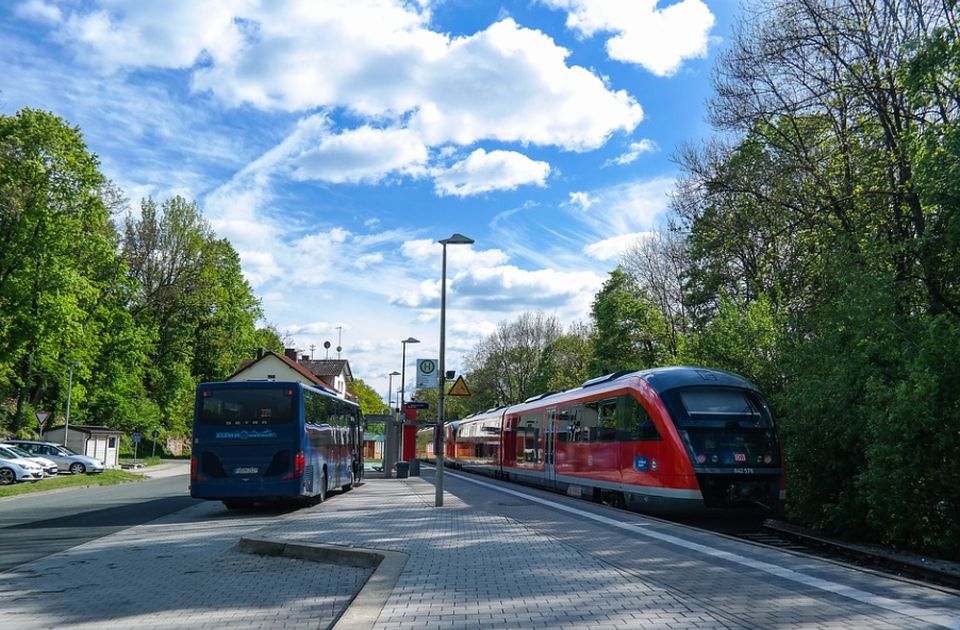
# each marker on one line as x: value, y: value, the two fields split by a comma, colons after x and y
x: 368, y: 398
x: 504, y: 367
x: 192, y: 298
x: 629, y: 332
x: 823, y: 240
x: 659, y: 264
x: 62, y: 287
x: 565, y: 362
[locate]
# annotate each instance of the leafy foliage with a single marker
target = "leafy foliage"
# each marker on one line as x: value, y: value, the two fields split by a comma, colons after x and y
x: 129, y: 325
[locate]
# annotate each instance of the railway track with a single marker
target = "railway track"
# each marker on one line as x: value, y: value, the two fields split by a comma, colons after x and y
x: 790, y: 538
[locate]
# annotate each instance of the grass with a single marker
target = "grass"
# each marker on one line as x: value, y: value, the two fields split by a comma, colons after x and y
x: 106, y: 478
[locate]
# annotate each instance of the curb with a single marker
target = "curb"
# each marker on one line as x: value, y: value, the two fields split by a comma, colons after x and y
x: 364, y: 608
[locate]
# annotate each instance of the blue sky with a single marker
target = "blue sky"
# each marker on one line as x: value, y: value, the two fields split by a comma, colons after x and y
x: 334, y: 142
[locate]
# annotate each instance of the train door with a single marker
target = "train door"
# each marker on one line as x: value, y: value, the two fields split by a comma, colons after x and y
x: 550, y: 447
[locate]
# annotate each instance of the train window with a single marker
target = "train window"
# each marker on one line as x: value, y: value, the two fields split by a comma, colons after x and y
x: 637, y: 423
x: 719, y: 406
x: 566, y: 419
x: 607, y: 420
x: 528, y: 439
x: 589, y: 422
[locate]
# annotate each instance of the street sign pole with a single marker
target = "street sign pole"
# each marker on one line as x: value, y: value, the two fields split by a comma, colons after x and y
x: 137, y: 436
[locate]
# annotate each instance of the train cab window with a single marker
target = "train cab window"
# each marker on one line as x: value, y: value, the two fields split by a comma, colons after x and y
x: 637, y: 423
x: 723, y: 406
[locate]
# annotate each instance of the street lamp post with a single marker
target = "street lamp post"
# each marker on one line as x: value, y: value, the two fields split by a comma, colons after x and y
x: 456, y: 239
x: 387, y: 456
x: 403, y: 387
x: 66, y: 422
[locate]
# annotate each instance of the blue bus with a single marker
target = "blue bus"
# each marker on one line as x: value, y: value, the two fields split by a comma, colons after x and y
x: 269, y: 440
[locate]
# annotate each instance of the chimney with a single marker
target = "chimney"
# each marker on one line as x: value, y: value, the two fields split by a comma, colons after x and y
x: 290, y: 353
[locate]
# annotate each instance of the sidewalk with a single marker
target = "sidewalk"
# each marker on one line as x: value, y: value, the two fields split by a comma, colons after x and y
x: 530, y: 566
x: 512, y: 558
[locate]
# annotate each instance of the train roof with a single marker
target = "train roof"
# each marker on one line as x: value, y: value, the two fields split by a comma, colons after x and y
x: 667, y: 378
x: 661, y: 379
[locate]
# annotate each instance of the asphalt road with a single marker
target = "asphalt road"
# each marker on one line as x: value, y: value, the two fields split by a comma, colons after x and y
x: 37, y: 525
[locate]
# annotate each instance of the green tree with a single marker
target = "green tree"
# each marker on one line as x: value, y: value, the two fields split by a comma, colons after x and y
x: 630, y: 333
x: 192, y: 298
x: 62, y: 287
x: 505, y: 368
x: 368, y: 398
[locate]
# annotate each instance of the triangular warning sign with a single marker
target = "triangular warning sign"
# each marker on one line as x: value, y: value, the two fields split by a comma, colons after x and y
x: 459, y: 388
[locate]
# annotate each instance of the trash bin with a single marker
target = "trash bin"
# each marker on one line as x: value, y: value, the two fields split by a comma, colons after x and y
x: 403, y: 470
x: 414, y: 467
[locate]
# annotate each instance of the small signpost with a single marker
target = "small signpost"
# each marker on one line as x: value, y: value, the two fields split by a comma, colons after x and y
x: 42, y: 417
x: 153, y: 451
x: 137, y: 436
x: 426, y: 373
x: 459, y: 388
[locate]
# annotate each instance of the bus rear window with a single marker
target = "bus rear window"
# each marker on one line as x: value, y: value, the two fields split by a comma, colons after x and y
x: 720, y: 406
x: 250, y: 407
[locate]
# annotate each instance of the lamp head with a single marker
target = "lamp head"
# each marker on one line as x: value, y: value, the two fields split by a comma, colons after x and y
x: 394, y: 373
x: 410, y: 340
x: 457, y: 239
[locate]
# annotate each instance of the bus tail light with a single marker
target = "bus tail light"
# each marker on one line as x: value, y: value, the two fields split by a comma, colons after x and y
x: 195, y: 470
x: 298, y: 465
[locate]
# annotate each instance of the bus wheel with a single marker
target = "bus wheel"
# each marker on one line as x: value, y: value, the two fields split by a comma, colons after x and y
x: 237, y: 505
x: 323, y: 488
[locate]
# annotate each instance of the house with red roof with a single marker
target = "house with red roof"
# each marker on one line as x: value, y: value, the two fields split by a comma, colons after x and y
x: 332, y: 375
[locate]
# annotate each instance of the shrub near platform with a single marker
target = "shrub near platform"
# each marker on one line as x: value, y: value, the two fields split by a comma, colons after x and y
x: 106, y: 478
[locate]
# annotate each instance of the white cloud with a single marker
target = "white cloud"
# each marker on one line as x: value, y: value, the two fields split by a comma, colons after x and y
x: 633, y: 152
x: 169, y: 34
x: 613, y: 248
x: 507, y: 288
x: 359, y: 155
x: 362, y: 262
x: 505, y: 83
x: 428, y: 252
x: 39, y: 11
x: 582, y: 200
x: 497, y: 170
x: 657, y: 39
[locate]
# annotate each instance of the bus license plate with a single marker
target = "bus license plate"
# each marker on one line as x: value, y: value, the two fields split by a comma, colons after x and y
x: 246, y: 470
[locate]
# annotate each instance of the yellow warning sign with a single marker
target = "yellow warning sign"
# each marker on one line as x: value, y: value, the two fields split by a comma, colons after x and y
x: 459, y: 388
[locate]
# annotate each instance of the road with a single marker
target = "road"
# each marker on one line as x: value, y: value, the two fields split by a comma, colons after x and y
x: 37, y: 525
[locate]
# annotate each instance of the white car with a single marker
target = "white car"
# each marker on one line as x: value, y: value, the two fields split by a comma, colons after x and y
x: 18, y: 469
x: 9, y: 451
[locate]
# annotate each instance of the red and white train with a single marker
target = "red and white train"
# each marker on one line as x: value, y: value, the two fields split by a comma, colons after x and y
x: 669, y: 440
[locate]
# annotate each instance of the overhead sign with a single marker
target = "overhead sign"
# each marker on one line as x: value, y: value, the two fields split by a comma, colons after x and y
x: 42, y: 418
x: 426, y: 373
x: 459, y: 388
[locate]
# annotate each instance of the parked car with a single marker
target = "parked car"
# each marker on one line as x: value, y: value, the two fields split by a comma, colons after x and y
x: 67, y: 460
x: 48, y: 465
x: 18, y: 469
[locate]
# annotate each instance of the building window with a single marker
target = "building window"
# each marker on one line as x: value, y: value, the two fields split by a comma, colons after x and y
x: 112, y: 442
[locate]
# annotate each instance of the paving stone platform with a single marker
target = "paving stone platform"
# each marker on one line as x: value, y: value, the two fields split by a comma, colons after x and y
x: 507, y: 560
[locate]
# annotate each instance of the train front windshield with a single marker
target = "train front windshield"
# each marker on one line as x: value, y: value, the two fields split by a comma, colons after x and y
x: 725, y: 427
